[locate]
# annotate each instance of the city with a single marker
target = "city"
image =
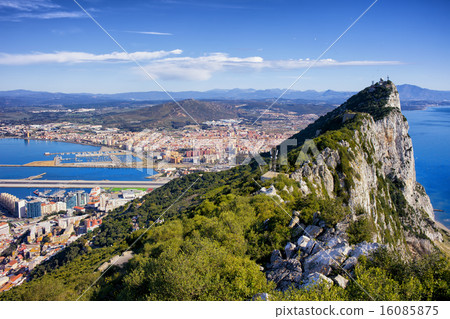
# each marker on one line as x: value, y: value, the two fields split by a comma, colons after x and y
x: 214, y: 143
x: 34, y: 230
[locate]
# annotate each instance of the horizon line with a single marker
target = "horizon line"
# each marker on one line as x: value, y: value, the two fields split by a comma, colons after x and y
x: 205, y: 91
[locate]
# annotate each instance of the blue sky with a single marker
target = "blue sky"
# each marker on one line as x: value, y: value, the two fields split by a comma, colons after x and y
x: 52, y: 45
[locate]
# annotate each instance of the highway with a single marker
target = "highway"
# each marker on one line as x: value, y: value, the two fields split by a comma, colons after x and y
x: 79, y: 183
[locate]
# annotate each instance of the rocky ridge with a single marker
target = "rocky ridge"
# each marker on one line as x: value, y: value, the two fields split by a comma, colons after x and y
x: 317, y: 253
x: 381, y: 163
x: 365, y: 158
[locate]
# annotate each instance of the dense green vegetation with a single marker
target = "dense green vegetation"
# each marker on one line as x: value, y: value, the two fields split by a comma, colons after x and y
x: 211, y: 249
x: 371, y: 100
x: 117, y: 226
x: 331, y: 211
x: 360, y: 230
x: 206, y: 255
x: 386, y: 276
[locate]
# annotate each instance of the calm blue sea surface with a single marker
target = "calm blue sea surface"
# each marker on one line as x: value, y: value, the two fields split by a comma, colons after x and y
x: 430, y: 133
x: 18, y: 151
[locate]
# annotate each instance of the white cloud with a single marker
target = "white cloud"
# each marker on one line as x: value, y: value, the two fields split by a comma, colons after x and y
x: 199, y: 68
x: 150, y: 32
x: 163, y: 64
x: 17, y: 10
x: 202, y: 68
x: 49, y: 15
x: 303, y: 63
x: 27, y: 5
x: 80, y: 57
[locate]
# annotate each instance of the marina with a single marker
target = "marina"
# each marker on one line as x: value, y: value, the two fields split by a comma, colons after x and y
x: 18, y: 154
x: 87, y: 154
x: 36, y: 153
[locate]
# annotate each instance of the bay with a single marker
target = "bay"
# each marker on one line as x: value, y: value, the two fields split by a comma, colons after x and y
x: 19, y: 151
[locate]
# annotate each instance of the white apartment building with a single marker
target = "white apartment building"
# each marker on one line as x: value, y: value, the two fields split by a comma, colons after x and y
x: 8, y: 201
x: 20, y: 208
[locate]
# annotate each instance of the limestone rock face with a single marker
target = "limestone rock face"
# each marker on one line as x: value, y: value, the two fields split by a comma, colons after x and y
x: 285, y: 273
x: 290, y: 250
x: 340, y: 281
x: 303, y: 241
x: 319, y: 172
x: 350, y: 263
x: 371, y: 170
x: 313, y: 231
x: 381, y: 155
x: 323, y: 261
x: 394, y: 98
x: 364, y: 249
x: 294, y: 221
x: 276, y: 255
x: 316, y: 279
x: 311, y: 261
x: 271, y: 191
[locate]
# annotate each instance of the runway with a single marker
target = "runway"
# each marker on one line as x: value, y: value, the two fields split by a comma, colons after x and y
x: 79, y: 183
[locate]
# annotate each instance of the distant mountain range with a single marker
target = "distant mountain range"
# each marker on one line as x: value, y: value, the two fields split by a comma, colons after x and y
x: 171, y: 114
x: 32, y: 98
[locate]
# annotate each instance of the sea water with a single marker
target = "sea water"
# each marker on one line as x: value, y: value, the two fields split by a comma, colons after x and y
x: 430, y: 133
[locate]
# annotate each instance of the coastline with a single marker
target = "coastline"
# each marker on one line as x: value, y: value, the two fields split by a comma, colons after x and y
x: 429, y: 130
x: 102, y: 148
x: 62, y: 141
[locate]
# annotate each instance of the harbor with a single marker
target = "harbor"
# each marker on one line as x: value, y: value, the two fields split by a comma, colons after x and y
x: 102, y: 158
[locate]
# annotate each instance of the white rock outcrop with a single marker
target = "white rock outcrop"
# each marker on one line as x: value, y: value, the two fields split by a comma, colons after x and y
x: 382, y: 153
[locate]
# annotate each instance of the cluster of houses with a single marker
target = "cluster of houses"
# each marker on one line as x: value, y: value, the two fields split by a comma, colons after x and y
x: 27, y: 242
x: 40, y: 242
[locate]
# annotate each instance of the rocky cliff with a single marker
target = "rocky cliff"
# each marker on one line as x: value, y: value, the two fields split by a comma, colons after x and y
x: 360, y: 159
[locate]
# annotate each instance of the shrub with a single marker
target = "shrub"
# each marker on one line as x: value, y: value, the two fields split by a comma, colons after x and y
x: 360, y: 230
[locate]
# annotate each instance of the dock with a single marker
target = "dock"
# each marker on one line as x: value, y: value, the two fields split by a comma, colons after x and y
x: 35, y: 177
x: 88, y: 154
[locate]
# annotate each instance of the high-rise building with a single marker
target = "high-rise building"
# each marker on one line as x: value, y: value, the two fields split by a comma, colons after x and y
x: 8, y: 201
x: 61, y: 206
x: 34, y: 209
x: 82, y: 198
x: 20, y: 208
x: 71, y: 201
x: 48, y: 208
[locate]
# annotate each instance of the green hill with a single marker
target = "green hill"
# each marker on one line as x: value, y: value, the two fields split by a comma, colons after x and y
x: 186, y: 112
